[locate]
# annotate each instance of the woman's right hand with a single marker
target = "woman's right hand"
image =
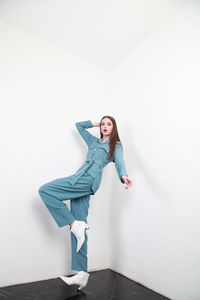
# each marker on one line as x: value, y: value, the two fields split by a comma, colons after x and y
x: 97, y: 124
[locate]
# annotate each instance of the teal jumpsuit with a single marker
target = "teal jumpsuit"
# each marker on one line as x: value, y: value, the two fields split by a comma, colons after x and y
x: 78, y: 187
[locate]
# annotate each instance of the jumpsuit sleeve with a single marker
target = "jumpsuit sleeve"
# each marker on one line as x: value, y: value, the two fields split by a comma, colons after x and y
x: 86, y: 135
x: 118, y: 159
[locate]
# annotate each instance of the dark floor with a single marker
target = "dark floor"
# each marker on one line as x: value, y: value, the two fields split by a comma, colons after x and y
x: 102, y: 285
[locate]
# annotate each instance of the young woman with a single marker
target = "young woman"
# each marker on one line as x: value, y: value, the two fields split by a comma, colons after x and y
x: 78, y: 187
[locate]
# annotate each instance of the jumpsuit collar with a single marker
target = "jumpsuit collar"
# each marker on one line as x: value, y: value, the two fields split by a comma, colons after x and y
x: 106, y: 142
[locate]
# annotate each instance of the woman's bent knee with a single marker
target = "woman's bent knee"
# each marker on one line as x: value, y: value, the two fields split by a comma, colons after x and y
x: 42, y: 189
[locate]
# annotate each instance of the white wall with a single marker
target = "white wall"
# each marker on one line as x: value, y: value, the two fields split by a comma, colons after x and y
x: 102, y: 31
x: 154, y: 96
x: 44, y: 91
x: 156, y: 225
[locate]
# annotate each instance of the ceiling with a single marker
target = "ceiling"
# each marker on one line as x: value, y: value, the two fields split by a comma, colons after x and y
x: 102, y: 31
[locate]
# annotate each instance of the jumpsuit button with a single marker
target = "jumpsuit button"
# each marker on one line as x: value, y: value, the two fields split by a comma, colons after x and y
x: 88, y: 160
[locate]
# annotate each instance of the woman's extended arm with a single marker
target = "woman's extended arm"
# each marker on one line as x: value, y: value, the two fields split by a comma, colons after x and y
x: 120, y: 166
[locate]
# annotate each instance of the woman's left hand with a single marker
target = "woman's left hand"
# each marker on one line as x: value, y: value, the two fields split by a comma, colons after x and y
x: 128, y: 181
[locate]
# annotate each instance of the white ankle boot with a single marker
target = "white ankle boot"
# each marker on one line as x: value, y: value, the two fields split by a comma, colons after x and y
x: 78, y: 229
x: 81, y: 279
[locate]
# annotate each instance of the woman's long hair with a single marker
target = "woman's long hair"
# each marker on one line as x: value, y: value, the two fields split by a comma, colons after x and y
x: 114, y: 137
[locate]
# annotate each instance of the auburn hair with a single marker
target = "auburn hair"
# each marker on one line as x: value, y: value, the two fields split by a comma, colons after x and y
x: 114, y: 136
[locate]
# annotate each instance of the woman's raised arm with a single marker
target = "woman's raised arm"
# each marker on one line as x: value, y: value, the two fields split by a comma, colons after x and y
x: 86, y: 135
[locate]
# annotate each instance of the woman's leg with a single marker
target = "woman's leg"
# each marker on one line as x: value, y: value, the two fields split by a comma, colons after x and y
x: 55, y: 192
x: 79, y: 208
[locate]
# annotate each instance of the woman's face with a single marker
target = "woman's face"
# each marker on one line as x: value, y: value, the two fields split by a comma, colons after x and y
x: 106, y: 127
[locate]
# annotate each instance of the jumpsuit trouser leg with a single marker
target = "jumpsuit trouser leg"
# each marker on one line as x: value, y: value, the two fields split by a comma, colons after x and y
x: 58, y: 190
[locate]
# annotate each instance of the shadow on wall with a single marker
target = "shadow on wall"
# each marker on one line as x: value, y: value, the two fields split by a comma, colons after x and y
x: 134, y: 162
x: 51, y: 230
